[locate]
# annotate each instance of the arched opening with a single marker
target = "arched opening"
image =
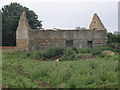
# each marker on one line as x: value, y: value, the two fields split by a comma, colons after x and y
x: 94, y: 28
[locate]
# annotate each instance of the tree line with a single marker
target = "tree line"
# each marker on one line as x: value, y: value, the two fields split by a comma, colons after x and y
x: 112, y: 38
x: 10, y: 17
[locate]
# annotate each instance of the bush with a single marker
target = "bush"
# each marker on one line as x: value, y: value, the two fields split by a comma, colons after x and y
x: 75, y: 49
x: 51, y: 52
x: 38, y: 55
x: 115, y: 47
x: 84, y: 50
x: 48, y: 53
x: 102, y: 55
x: 98, y: 50
x: 111, y: 38
x: 95, y: 51
x: 69, y: 55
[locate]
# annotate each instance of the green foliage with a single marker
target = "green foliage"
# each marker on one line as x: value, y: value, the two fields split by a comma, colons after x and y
x: 111, y: 38
x: 20, y: 70
x: 115, y: 47
x: 84, y: 50
x: 69, y: 55
x: 51, y: 52
x: 97, y: 50
x: 75, y: 49
x: 10, y: 16
x: 79, y: 28
x: 37, y: 55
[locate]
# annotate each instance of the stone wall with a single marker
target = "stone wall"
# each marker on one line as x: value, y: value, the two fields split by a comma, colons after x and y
x: 22, y: 44
x: 100, y: 38
x: 22, y: 33
x: 42, y: 39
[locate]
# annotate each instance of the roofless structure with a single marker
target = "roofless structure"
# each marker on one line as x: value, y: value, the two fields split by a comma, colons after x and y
x: 30, y: 39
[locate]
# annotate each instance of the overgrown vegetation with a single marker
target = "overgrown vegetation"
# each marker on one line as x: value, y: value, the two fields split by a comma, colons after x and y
x: 46, y: 54
x: 112, y: 38
x: 97, y: 50
x: 22, y: 70
x: 79, y: 28
x: 69, y: 55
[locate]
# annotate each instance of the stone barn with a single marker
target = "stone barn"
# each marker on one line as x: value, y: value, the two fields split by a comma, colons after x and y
x: 35, y: 39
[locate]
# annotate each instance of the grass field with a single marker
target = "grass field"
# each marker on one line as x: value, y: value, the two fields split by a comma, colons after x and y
x: 20, y: 70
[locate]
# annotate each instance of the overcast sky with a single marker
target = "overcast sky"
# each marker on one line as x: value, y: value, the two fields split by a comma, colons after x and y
x: 65, y: 14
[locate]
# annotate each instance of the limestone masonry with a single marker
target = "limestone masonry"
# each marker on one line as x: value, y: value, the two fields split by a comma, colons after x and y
x: 34, y: 39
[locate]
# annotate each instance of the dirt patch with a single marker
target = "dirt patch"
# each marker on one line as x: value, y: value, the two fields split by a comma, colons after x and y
x: 111, y: 86
x: 62, y: 85
x: 87, y: 57
x: 56, y: 57
x: 79, y: 57
x: 43, y: 84
x: 51, y: 59
x: 2, y: 86
x: 109, y: 53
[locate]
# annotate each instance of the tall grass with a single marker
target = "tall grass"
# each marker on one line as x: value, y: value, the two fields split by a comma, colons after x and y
x: 20, y: 70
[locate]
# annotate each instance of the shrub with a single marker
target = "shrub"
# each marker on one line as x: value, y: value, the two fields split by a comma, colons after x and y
x: 95, y: 51
x: 98, y: 50
x: 84, y: 50
x: 69, y: 55
x: 48, y: 53
x: 102, y: 55
x: 114, y: 47
x: 75, y: 49
x: 38, y: 55
x: 51, y: 52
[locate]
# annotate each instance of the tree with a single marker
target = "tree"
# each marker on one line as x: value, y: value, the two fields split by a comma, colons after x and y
x: 78, y: 28
x: 69, y: 55
x: 111, y: 38
x: 10, y: 17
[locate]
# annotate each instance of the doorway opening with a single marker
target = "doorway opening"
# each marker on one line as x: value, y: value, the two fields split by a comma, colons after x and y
x: 90, y: 44
x: 69, y: 43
